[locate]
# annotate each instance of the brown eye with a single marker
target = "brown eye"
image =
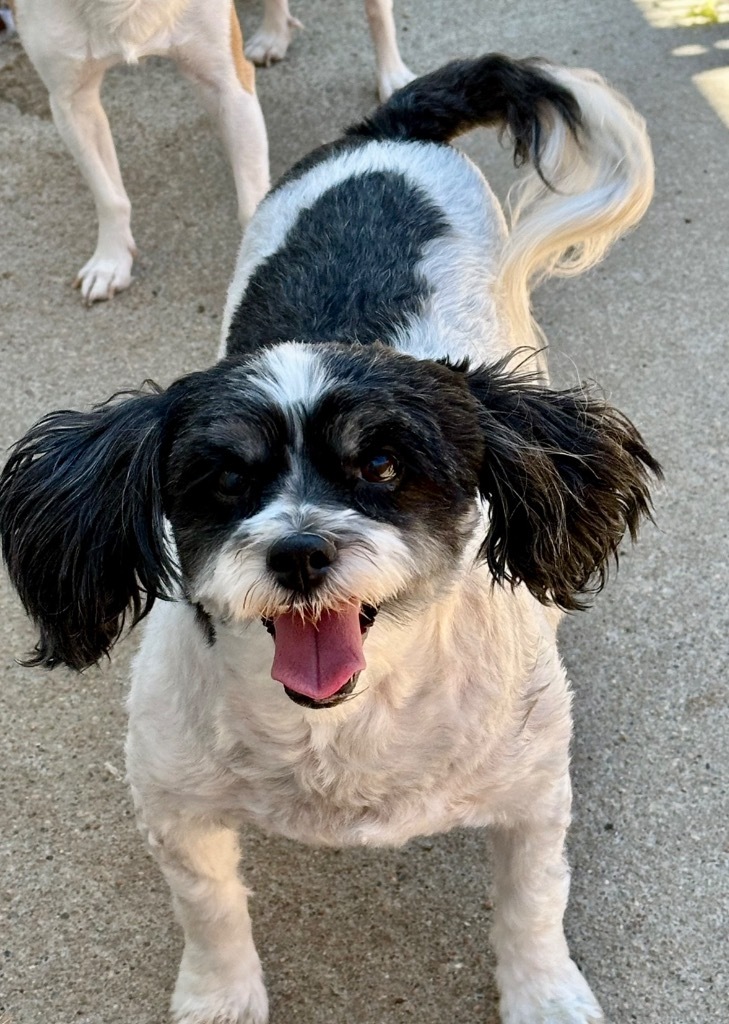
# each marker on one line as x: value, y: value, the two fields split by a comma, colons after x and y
x: 380, y: 469
x: 230, y: 483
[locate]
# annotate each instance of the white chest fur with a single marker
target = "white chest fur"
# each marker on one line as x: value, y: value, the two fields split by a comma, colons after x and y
x: 443, y: 729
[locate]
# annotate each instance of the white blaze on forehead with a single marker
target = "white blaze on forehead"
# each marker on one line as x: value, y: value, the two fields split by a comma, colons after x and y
x: 292, y: 376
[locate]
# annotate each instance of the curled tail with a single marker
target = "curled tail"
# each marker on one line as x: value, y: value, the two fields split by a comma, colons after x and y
x: 591, y: 174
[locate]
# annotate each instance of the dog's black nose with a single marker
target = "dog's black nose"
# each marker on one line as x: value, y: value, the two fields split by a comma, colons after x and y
x: 301, y: 561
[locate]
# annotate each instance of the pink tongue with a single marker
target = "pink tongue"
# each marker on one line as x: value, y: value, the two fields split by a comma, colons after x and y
x: 317, y: 659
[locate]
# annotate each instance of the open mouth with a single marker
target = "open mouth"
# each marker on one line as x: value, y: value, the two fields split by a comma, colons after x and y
x: 319, y: 662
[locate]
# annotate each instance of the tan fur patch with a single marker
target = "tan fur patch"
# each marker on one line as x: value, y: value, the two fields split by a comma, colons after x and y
x: 11, y: 5
x: 243, y: 68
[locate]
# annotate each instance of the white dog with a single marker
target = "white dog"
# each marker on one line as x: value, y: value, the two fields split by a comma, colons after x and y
x: 73, y: 43
x: 367, y: 518
x: 271, y: 42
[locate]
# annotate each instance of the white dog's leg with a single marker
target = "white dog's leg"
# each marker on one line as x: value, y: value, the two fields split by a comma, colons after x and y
x: 392, y: 73
x: 272, y: 39
x: 213, y: 58
x: 220, y: 979
x: 83, y: 126
x: 538, y: 982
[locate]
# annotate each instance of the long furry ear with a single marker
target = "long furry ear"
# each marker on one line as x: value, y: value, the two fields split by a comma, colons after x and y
x: 565, y: 475
x: 82, y: 525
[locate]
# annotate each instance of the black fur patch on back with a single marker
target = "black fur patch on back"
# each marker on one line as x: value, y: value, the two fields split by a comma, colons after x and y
x: 347, y: 270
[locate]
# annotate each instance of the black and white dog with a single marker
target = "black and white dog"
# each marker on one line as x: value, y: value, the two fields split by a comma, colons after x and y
x: 367, y: 517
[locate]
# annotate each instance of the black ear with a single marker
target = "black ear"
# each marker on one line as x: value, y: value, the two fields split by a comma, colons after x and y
x: 82, y: 525
x: 565, y: 475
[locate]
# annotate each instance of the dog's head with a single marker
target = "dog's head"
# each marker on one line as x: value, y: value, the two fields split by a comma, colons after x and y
x: 310, y: 487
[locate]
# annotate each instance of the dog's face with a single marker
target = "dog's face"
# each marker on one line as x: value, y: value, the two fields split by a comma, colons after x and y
x: 316, y: 485
x: 375, y: 453
x: 312, y: 487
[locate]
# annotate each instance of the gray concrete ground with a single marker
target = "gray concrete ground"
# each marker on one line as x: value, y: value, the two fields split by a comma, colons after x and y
x: 390, y: 937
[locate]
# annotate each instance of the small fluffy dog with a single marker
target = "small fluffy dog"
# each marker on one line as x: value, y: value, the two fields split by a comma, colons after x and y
x: 366, y: 519
x: 271, y: 42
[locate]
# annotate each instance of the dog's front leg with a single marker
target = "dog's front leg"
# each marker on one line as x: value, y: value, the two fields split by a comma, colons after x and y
x: 220, y: 979
x: 537, y: 980
x: 82, y: 124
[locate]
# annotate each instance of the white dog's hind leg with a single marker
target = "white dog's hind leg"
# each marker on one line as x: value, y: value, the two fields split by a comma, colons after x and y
x: 272, y: 39
x: 83, y: 126
x: 392, y: 73
x: 537, y: 980
x: 220, y: 979
x: 213, y: 58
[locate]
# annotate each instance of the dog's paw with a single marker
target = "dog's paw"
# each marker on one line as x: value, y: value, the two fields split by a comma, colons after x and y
x: 390, y: 81
x: 199, y: 1000
x: 266, y: 46
x: 104, y: 275
x: 564, y: 998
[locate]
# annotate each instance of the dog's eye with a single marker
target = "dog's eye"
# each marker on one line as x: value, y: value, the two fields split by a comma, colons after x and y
x: 230, y: 483
x: 380, y: 469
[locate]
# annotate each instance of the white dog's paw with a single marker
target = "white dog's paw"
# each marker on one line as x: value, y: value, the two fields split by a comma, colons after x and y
x: 267, y: 46
x: 104, y: 275
x: 390, y: 81
x: 562, y: 999
x: 201, y: 1001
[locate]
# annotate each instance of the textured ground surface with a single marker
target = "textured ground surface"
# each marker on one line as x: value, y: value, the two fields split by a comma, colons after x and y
x: 369, y: 937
